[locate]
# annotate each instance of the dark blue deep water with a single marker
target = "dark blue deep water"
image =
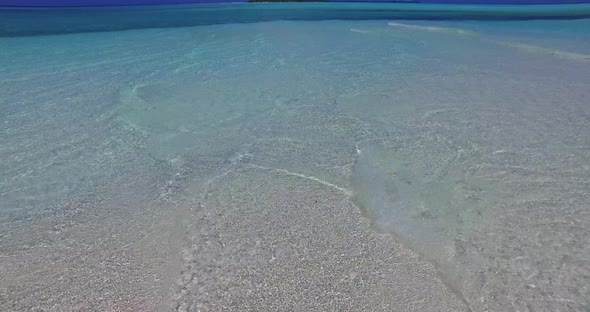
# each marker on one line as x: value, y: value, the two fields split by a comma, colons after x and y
x: 43, y: 3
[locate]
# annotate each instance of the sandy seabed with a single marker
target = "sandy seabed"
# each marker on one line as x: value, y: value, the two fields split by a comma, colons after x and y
x: 296, y: 166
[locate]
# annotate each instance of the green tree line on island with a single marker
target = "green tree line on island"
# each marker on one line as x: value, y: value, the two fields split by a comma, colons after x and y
x: 285, y: 0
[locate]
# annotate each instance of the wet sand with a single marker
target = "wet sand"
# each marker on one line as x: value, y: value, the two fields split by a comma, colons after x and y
x: 267, y: 240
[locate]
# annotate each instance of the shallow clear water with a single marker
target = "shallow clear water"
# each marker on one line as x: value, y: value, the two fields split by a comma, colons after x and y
x: 125, y: 154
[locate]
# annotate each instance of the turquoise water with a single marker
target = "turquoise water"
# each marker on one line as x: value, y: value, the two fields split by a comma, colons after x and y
x: 467, y: 140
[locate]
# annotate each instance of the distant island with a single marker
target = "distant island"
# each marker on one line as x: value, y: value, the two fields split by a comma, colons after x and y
x: 285, y: 0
